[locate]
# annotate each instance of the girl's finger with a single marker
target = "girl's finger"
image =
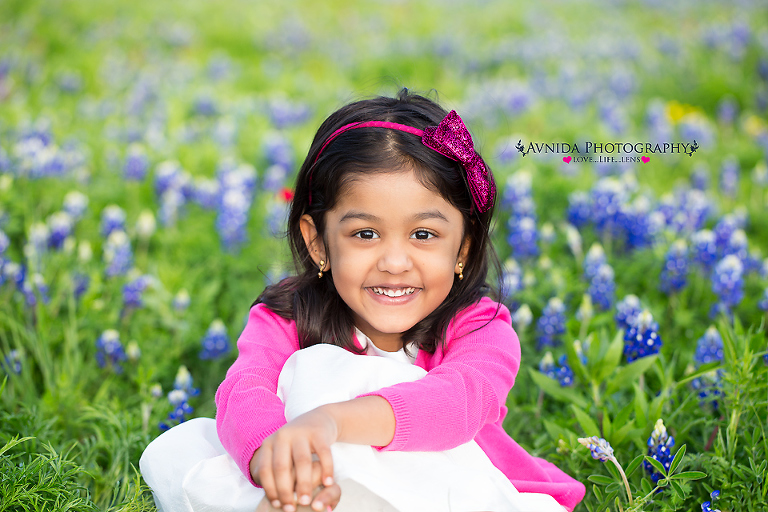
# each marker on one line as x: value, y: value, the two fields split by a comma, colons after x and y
x: 266, y: 476
x: 327, y: 497
x: 282, y: 465
x: 302, y: 463
x: 325, y: 457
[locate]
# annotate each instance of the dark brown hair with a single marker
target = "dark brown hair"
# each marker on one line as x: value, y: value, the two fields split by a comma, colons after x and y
x: 320, y: 314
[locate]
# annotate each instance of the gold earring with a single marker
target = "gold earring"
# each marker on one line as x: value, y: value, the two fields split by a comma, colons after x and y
x: 322, y: 266
x: 461, y: 271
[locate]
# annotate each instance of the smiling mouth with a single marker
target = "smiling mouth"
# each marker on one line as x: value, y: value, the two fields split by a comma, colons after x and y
x: 393, y: 292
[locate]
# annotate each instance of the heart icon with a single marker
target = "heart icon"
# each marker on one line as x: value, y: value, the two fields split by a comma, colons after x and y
x: 645, y: 159
x: 567, y: 159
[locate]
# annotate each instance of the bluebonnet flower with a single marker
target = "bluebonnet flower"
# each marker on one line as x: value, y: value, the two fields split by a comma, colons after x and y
x: 641, y: 338
x: 277, y: 150
x: 207, y: 193
x: 704, y: 248
x: 729, y: 176
x: 112, y: 219
x: 11, y: 362
x: 284, y: 113
x: 695, y: 126
x: 275, y: 177
x: 205, y: 105
x: 728, y: 282
x: 602, y: 288
x: 517, y: 188
x: 40, y: 288
x: 562, y: 373
x: 522, y: 317
x: 725, y: 228
x: 215, y: 342
x: 709, y: 349
x: 659, y: 446
x: 75, y: 204
x: 277, y: 215
x: 607, y: 196
x: 727, y: 109
x: 59, y: 228
x: 232, y: 218
x: 171, y: 205
x: 168, y: 175
x: 674, y: 275
x: 39, y: 235
x: 181, y: 300
x: 523, y: 237
x: 763, y: 304
x: 593, y: 260
x: 547, y: 365
x: 185, y: 382
x: 118, y: 254
x: 80, y: 284
x: 738, y: 245
x: 180, y: 412
x: 598, y: 447
x: 551, y: 323
x: 133, y: 291
x: 700, y: 176
x: 15, y: 273
x: 136, y: 163
x: 693, y: 211
x: 109, y: 351
x: 641, y: 225
x: 146, y: 225
x: 512, y: 278
x: 707, y: 505
x: 505, y: 151
x: 579, y: 209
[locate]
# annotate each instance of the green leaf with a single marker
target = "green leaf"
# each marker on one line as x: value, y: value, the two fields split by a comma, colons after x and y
x: 588, y: 425
x: 607, y: 426
x: 600, y: 479
x: 677, y: 460
x: 632, y: 466
x: 628, y: 374
x: 646, y: 486
x: 689, y: 475
x: 641, y: 407
x: 662, y: 482
x: 554, y: 430
x: 552, y: 388
x: 677, y: 488
x: 612, y: 357
x: 698, y: 373
x: 656, y: 464
x: 598, y: 493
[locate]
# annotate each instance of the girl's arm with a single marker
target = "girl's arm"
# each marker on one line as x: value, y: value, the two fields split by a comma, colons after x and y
x: 465, y: 390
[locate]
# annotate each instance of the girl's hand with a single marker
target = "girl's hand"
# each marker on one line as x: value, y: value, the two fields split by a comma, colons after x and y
x: 284, y: 465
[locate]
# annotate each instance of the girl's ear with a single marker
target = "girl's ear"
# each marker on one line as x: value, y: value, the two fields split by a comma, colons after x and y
x: 463, y: 253
x: 313, y: 242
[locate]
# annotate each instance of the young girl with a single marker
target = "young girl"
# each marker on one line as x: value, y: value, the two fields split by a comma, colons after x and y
x: 389, y: 229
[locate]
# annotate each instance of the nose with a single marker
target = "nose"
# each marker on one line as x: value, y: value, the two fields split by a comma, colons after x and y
x: 395, y: 257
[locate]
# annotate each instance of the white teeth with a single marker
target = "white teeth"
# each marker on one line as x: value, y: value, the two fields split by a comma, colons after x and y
x: 393, y: 292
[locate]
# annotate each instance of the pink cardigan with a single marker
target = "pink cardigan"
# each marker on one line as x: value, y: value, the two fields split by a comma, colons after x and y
x: 461, y: 398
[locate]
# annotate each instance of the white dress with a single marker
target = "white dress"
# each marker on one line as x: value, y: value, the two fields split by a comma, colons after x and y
x: 188, y: 469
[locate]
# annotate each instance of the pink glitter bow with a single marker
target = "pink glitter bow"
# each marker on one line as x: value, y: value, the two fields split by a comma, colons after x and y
x: 450, y: 138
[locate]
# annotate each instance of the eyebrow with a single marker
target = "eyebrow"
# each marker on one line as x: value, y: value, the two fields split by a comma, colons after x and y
x: 429, y: 214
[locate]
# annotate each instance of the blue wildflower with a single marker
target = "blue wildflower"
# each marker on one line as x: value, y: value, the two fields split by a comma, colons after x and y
x: 709, y: 349
x: 579, y: 209
x: 232, y: 218
x: 277, y: 216
x: 674, y: 275
x: 59, y: 228
x: 763, y: 303
x: 215, y: 342
x: 602, y: 288
x: 185, y: 382
x: 700, y: 176
x: 516, y: 189
x: 594, y: 259
x: 598, y: 447
x: 551, y: 324
x: 205, y: 105
x: 627, y: 311
x: 641, y: 338
x: 39, y: 234
x: 109, y: 351
x: 512, y: 278
x: 284, y: 113
x: 118, y: 254
x: 707, y: 505
x: 75, y: 204
x: 171, y: 206
x: 80, y: 284
x: 168, y: 175
x: 275, y: 177
x: 728, y: 282
x: 607, y: 196
x: 133, y: 291
x: 725, y: 228
x: 738, y: 245
x: 112, y: 219
x: 561, y: 372
x: 11, y: 362
x: 523, y: 237
x: 659, y: 446
x: 704, y: 248
x: 181, y: 300
x: 207, y: 193
x: 15, y: 273
x: 522, y: 317
x: 136, y: 163
x: 277, y: 150
x: 180, y: 412
x: 5, y: 242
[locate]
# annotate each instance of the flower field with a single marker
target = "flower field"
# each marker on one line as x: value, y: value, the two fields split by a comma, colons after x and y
x: 147, y: 152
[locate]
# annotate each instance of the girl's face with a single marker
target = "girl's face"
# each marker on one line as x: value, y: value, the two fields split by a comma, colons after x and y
x: 394, y: 248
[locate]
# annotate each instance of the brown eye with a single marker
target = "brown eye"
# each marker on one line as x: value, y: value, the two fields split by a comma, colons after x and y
x: 367, y: 234
x: 422, y: 235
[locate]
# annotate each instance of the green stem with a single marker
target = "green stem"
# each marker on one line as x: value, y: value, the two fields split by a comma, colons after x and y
x: 623, y: 477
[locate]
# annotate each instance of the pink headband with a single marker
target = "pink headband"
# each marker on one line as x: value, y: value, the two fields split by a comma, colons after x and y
x: 450, y: 138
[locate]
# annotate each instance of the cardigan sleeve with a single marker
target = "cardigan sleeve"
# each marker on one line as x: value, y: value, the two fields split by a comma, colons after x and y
x: 248, y: 409
x: 465, y: 391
